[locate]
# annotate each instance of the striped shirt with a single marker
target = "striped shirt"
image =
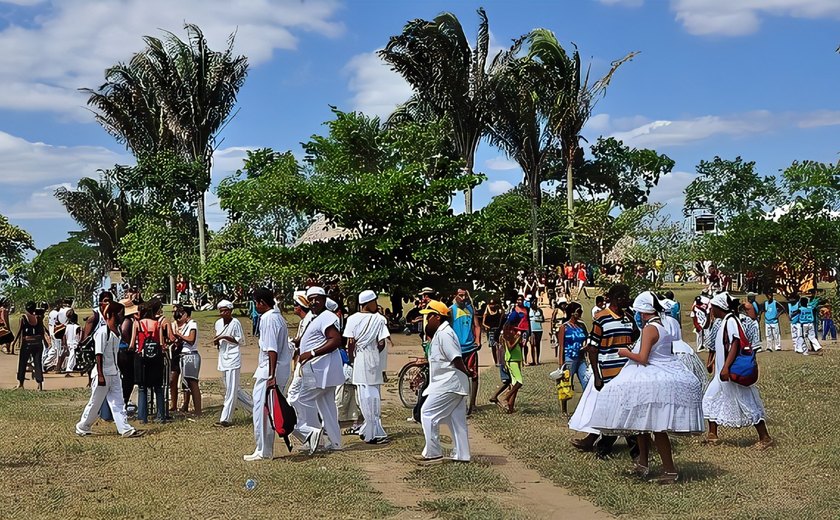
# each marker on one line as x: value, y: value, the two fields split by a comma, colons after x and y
x: 610, y: 332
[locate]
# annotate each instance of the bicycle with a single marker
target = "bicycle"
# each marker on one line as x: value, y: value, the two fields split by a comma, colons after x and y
x: 413, y: 376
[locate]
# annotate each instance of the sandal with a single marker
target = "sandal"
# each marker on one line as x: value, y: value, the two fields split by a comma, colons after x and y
x: 502, y: 406
x: 763, y: 445
x: 638, y: 470
x: 581, y: 445
x: 666, y: 478
x: 713, y: 441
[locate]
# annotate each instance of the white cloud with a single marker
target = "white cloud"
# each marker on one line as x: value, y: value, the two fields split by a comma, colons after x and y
x: 499, y: 187
x: 500, y: 163
x: 24, y: 163
x: 663, y: 133
x: 46, y: 60
x: 738, y: 17
x: 376, y: 89
x: 227, y: 160
x: 670, y: 190
x: 39, y: 205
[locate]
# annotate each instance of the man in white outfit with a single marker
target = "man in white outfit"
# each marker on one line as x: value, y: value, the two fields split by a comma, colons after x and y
x: 319, y: 373
x: 448, y: 388
x: 106, y: 384
x: 367, y: 332
x: 273, y: 366
x: 228, y: 340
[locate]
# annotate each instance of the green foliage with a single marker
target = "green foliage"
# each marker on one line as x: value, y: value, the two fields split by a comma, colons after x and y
x: 818, y: 183
x: 102, y: 210
x: 68, y: 269
x: 663, y: 244
x: 626, y: 174
x: 599, y: 227
x: 728, y: 188
x: 260, y: 196
x: 14, y: 243
x: 157, y: 246
x: 163, y: 180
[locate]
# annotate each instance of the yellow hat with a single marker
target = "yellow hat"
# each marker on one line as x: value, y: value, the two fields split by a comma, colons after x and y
x: 435, y: 307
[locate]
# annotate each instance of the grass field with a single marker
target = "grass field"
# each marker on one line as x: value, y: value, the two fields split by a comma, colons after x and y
x: 190, y: 469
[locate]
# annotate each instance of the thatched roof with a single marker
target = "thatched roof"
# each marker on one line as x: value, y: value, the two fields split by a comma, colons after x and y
x: 321, y: 231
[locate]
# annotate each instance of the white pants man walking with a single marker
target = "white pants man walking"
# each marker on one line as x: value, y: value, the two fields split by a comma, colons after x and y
x: 233, y: 394
x: 796, y: 337
x: 773, y: 336
x: 112, y: 393
x: 809, y: 338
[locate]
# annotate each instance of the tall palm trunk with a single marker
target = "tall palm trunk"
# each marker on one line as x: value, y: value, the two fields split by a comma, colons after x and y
x: 535, y: 246
x: 201, y: 238
x: 570, y: 208
x: 468, y: 194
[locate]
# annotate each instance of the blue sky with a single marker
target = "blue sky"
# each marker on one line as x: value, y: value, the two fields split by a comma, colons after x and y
x: 756, y: 78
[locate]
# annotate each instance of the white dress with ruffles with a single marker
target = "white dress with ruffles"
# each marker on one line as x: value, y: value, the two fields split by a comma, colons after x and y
x: 727, y: 403
x: 661, y: 396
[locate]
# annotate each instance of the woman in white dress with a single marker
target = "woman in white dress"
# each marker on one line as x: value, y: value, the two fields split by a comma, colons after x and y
x: 725, y: 402
x: 681, y: 349
x: 654, y: 393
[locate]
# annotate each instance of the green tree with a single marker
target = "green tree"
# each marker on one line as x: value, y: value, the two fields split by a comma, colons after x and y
x: 102, y: 210
x: 519, y: 127
x: 257, y: 196
x: 390, y: 190
x: 567, y: 96
x: 175, y: 96
x: 449, y: 78
x: 728, y: 188
x: 70, y: 268
x: 625, y: 174
x: 14, y: 243
x: 600, y: 226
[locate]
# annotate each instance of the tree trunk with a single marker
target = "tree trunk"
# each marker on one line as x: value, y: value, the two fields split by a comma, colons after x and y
x: 468, y: 194
x: 534, y: 235
x: 171, y: 288
x: 570, y: 206
x: 201, y: 239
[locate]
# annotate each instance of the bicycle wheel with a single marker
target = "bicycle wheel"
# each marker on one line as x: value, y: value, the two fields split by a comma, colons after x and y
x: 410, y: 380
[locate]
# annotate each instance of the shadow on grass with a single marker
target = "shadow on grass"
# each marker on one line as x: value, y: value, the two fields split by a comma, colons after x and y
x: 694, y: 471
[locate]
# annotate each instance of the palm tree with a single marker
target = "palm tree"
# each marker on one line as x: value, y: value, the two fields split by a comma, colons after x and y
x: 173, y: 97
x: 568, y: 97
x: 102, y: 210
x: 448, y: 77
x: 519, y: 126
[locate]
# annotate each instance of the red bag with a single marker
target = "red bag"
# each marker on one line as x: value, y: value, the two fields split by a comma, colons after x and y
x: 281, y: 415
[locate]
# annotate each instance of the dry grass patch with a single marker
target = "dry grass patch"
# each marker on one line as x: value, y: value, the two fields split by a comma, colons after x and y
x: 734, y: 480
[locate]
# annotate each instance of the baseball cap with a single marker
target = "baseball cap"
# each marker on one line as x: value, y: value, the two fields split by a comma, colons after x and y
x: 436, y: 307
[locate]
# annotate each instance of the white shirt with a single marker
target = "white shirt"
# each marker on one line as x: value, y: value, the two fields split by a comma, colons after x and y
x: 327, y: 370
x: 274, y: 337
x: 71, y: 335
x: 303, y: 324
x: 53, y: 318
x: 444, y: 378
x: 185, y: 331
x: 229, y: 356
x: 596, y: 310
x: 367, y: 329
x: 62, y: 315
x: 108, y: 344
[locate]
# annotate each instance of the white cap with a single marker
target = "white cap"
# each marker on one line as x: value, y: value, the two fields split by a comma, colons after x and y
x: 667, y: 304
x: 299, y: 298
x: 224, y: 304
x: 644, y: 303
x: 315, y: 291
x: 721, y: 300
x: 366, y: 296
x: 331, y: 305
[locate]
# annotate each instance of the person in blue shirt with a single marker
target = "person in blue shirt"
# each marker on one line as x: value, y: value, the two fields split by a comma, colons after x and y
x: 808, y: 322
x: 795, y: 327
x: 675, y: 306
x: 466, y: 327
x: 772, y: 334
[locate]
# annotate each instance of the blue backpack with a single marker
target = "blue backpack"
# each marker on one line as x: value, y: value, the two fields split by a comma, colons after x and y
x: 744, y: 370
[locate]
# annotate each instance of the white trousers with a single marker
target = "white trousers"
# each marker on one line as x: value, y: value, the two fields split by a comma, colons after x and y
x: 809, y: 338
x: 796, y: 337
x: 71, y: 359
x: 773, y: 336
x: 111, y: 392
x: 311, y: 401
x: 50, y: 356
x: 370, y: 402
x: 700, y: 339
x: 233, y: 393
x: 449, y: 409
x: 263, y: 434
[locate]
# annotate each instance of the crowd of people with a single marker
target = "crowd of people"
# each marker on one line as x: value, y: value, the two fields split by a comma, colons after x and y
x: 638, y: 378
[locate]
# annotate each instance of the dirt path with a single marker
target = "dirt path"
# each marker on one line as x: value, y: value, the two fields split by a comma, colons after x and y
x: 533, y: 494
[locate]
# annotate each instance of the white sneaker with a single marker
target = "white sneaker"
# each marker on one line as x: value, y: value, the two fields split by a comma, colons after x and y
x: 83, y: 433
x: 253, y: 457
x: 333, y: 447
x: 315, y: 440
x: 133, y: 433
